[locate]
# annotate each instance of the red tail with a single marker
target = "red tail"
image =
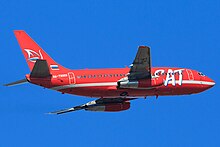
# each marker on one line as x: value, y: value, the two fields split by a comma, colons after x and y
x: 32, y: 51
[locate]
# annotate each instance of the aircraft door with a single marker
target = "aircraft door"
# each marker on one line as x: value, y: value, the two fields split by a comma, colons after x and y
x: 190, y: 74
x: 72, y: 79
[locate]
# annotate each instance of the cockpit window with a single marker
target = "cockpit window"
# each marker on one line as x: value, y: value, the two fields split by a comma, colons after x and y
x: 201, y: 74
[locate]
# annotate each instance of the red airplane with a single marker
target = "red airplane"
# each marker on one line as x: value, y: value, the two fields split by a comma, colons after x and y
x: 114, y: 87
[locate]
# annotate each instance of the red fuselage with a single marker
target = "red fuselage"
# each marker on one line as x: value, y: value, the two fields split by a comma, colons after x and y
x: 103, y: 83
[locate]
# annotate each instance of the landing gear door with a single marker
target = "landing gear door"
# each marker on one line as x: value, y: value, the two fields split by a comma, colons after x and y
x: 72, y: 79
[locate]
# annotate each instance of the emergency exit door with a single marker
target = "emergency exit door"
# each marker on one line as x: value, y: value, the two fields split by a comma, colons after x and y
x: 71, y: 78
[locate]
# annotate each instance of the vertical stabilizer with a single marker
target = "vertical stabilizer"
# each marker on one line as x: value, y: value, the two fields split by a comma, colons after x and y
x: 32, y: 52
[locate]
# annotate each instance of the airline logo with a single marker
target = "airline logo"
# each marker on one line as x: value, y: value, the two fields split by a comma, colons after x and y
x: 170, y: 76
x: 54, y: 67
x: 33, y: 56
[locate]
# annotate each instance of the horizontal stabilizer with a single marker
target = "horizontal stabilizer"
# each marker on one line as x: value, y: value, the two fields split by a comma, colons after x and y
x: 40, y: 69
x: 16, y: 82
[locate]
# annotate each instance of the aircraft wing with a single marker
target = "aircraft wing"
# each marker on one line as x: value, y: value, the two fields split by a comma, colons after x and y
x: 102, y: 104
x: 141, y: 66
x: 68, y: 110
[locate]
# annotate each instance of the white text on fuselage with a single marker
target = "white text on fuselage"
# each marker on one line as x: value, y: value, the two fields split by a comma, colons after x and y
x: 170, y: 76
x: 60, y: 76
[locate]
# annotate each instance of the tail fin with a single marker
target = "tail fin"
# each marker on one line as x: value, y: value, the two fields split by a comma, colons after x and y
x: 32, y: 51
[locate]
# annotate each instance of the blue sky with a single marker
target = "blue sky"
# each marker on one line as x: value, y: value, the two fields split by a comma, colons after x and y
x: 97, y: 34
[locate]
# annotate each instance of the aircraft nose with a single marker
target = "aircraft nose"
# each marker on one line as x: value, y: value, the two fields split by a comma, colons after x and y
x: 212, y: 82
x: 208, y: 82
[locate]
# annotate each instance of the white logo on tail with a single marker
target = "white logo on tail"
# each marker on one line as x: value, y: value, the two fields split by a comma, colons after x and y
x: 33, y: 56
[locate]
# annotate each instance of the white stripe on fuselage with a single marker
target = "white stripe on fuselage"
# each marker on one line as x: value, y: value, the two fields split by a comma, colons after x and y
x: 198, y: 82
x: 85, y: 85
x: 115, y: 84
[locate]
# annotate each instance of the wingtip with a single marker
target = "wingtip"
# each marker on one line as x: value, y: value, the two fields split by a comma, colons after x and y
x: 51, y: 113
x: 18, y: 30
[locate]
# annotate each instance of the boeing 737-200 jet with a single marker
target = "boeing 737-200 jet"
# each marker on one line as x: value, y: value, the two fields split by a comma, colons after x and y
x: 114, y: 87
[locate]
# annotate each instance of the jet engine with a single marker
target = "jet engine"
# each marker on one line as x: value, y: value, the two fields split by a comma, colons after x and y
x: 144, y: 83
x: 111, y: 107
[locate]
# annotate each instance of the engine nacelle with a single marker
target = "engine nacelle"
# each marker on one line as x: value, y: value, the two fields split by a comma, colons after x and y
x: 128, y: 84
x: 148, y: 83
x: 110, y: 107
